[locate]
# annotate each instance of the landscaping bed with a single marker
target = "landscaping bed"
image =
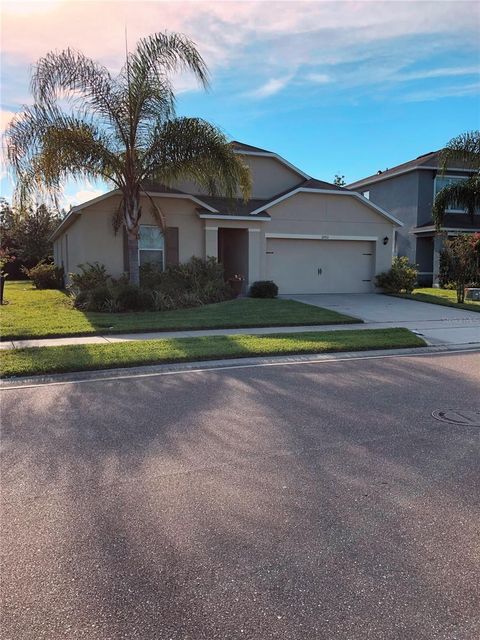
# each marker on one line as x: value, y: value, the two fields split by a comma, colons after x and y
x: 33, y: 313
x: 42, y: 360
x: 445, y: 297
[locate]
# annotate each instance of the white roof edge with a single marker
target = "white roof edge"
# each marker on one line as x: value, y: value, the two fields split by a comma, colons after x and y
x: 115, y: 192
x: 379, y: 177
x: 334, y: 192
x: 271, y: 154
x: 219, y: 216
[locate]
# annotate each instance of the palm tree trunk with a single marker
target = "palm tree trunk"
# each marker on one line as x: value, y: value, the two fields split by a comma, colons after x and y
x: 133, y: 264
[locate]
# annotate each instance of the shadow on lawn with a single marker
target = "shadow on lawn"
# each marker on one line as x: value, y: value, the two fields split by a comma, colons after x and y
x: 198, y: 505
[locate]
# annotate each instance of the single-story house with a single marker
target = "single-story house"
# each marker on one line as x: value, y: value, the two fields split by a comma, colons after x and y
x: 307, y: 235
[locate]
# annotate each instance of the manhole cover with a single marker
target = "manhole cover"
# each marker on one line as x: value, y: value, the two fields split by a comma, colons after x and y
x: 461, y: 418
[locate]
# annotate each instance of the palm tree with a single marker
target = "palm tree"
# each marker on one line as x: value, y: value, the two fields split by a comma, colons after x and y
x: 464, y: 149
x: 86, y: 123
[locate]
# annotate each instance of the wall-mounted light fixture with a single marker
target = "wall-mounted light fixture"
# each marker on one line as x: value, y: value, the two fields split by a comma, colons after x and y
x: 385, y: 240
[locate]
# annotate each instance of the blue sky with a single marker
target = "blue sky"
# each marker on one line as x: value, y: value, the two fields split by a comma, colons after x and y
x: 343, y: 87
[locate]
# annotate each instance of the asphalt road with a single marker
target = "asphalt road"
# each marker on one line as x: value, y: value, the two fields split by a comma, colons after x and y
x: 297, y: 502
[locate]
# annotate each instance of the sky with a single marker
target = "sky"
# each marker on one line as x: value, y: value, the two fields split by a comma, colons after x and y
x: 333, y: 87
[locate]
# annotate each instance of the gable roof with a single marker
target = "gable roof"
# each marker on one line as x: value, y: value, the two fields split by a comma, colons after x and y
x: 338, y: 191
x: 430, y: 160
x: 249, y: 150
x: 233, y: 206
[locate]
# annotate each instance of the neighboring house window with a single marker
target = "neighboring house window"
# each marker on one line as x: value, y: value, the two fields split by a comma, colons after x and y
x: 366, y: 194
x: 151, y: 245
x: 445, y: 181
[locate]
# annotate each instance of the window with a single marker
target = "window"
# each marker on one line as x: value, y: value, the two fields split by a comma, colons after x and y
x: 445, y: 181
x: 151, y: 245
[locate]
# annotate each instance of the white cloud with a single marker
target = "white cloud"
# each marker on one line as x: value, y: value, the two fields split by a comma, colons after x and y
x: 436, y: 93
x: 318, y: 78
x: 270, y: 88
x: 88, y: 192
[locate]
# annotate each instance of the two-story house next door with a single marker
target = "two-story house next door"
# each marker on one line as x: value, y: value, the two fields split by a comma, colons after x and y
x: 408, y: 191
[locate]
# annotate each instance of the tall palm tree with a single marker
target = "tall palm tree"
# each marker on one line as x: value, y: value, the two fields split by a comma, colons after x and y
x: 464, y: 149
x: 87, y: 123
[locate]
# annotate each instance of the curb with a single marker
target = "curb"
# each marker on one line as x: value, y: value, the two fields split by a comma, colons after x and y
x: 106, y: 375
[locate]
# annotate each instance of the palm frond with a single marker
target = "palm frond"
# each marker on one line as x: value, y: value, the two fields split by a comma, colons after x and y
x: 45, y: 147
x: 462, y: 150
x: 73, y: 76
x: 191, y: 148
x: 166, y: 53
x: 461, y: 195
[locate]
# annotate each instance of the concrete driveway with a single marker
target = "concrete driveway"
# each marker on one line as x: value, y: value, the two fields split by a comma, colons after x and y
x: 438, y: 324
x: 307, y: 502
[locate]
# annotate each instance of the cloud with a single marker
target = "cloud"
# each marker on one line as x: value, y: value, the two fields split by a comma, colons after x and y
x: 88, y: 192
x: 5, y: 117
x: 437, y: 93
x: 318, y: 78
x: 270, y: 88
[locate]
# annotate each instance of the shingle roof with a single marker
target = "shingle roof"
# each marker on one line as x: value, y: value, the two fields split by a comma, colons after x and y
x: 241, y: 146
x: 456, y: 221
x: 233, y: 207
x: 313, y: 183
x: 430, y: 159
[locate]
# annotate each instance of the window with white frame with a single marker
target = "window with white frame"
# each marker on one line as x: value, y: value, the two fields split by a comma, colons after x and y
x: 151, y: 246
x: 446, y: 181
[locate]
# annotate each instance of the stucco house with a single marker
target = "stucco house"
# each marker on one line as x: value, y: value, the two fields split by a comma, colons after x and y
x: 307, y: 235
x: 408, y: 191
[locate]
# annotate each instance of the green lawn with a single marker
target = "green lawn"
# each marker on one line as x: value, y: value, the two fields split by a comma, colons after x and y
x: 444, y: 297
x: 38, y: 360
x: 31, y: 313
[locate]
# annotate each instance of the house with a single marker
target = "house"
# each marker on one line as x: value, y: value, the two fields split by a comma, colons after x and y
x: 307, y: 235
x: 408, y: 191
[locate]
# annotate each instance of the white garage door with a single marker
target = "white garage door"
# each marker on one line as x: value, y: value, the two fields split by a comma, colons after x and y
x: 320, y: 266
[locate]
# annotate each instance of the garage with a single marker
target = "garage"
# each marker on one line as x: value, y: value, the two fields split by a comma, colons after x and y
x: 321, y: 266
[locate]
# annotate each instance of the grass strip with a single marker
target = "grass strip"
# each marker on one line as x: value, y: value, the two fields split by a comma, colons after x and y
x: 42, y: 360
x: 31, y: 313
x: 443, y: 297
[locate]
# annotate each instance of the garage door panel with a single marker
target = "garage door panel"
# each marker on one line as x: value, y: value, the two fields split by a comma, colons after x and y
x: 320, y: 266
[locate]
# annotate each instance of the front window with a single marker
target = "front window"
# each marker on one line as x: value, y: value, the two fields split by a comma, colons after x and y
x: 446, y: 181
x: 151, y: 246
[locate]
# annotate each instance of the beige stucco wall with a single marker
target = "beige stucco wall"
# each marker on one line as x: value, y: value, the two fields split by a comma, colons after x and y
x: 336, y: 215
x: 269, y: 177
x: 91, y: 237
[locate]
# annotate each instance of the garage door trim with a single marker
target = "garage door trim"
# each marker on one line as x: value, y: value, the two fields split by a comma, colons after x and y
x: 307, y: 236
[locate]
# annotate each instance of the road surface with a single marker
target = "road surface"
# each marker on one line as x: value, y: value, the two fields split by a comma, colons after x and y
x: 316, y: 501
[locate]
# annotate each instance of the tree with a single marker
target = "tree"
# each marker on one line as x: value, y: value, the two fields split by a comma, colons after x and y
x: 25, y: 235
x: 339, y: 180
x: 122, y: 129
x: 463, y: 256
x: 464, y: 149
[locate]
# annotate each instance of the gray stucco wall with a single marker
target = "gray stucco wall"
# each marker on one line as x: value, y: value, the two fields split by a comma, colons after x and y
x: 399, y: 196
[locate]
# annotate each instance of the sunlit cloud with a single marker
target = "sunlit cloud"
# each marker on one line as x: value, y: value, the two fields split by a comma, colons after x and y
x: 270, y: 88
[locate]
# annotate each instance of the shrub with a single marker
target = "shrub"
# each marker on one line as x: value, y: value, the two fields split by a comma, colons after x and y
x: 92, y: 300
x: 263, y: 289
x: 150, y: 276
x: 401, y: 277
x: 91, y: 276
x: 45, y: 275
x: 129, y: 298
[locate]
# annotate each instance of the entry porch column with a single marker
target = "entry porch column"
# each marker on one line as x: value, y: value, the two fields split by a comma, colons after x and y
x: 254, y: 255
x: 211, y: 242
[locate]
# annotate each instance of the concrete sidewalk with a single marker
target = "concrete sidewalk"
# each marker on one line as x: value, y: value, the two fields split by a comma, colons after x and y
x: 435, y: 332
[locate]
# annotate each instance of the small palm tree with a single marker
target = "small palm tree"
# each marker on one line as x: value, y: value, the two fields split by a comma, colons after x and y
x: 86, y: 123
x: 464, y: 149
